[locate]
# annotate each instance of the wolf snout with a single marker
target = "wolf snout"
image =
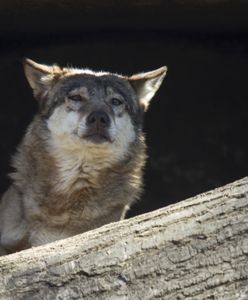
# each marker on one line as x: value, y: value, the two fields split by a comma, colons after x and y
x: 98, y: 124
x: 98, y: 119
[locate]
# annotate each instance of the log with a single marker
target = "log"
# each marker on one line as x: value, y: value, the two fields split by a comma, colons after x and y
x: 195, y: 249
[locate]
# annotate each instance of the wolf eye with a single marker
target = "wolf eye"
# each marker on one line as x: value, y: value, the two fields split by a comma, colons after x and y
x: 116, y: 102
x: 76, y: 98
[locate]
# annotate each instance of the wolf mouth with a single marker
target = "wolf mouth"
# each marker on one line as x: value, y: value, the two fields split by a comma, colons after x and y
x: 97, y: 137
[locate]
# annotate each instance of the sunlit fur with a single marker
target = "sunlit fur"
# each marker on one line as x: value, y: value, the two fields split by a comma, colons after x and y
x: 76, y: 157
x: 64, y: 183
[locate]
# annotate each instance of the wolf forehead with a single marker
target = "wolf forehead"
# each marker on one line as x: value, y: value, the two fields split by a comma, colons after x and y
x: 95, y: 87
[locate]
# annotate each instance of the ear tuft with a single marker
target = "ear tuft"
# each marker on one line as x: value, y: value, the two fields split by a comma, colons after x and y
x: 147, y: 84
x: 39, y: 76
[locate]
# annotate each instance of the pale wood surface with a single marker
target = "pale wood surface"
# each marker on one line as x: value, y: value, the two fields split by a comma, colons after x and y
x: 195, y: 249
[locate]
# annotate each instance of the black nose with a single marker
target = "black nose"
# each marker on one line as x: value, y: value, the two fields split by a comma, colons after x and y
x: 98, y: 118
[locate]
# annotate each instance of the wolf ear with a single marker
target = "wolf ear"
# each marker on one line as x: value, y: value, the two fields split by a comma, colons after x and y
x: 40, y: 77
x: 147, y: 84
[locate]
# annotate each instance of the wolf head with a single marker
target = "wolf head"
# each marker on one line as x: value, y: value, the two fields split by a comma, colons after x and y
x: 83, y: 109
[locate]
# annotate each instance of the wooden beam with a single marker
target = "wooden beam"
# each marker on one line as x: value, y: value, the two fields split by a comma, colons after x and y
x: 195, y: 249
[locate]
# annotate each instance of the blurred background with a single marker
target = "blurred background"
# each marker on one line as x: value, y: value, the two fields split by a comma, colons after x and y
x: 197, y: 124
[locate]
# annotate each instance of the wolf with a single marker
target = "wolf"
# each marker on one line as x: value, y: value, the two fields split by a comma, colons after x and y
x: 80, y: 163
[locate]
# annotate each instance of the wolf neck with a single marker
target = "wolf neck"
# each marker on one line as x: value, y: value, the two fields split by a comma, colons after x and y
x: 76, y: 168
x: 60, y: 170
x: 80, y: 166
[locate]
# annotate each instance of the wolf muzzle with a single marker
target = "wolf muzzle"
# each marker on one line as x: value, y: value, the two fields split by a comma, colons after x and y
x: 98, y: 123
x: 98, y: 119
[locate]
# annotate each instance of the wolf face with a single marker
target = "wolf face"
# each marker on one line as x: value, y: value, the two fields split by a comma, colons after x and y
x: 80, y: 163
x: 98, y: 112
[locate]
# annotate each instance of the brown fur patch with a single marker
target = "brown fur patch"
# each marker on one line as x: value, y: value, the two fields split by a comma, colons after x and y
x: 64, y: 184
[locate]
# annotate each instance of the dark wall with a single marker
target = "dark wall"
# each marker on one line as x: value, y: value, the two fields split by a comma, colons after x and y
x: 197, y: 124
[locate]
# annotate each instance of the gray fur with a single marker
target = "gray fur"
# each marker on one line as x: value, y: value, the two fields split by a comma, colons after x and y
x: 72, y: 175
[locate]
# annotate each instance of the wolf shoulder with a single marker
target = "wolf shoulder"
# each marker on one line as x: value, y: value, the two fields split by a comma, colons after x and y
x: 13, y: 227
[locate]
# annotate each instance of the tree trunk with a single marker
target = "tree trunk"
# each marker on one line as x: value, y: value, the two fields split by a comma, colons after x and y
x: 195, y: 249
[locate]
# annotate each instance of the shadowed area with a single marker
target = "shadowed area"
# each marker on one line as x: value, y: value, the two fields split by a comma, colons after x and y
x: 197, y: 123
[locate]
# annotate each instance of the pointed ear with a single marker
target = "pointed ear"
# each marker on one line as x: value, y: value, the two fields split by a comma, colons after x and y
x: 147, y: 84
x: 40, y: 77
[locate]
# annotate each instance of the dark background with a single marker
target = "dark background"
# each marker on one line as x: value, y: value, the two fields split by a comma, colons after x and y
x: 197, y: 123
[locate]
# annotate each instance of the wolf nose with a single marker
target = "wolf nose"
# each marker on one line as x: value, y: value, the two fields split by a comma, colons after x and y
x: 98, y: 118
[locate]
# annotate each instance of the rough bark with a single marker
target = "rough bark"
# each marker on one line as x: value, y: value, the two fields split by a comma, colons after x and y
x: 196, y: 249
